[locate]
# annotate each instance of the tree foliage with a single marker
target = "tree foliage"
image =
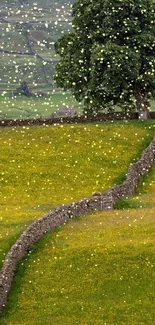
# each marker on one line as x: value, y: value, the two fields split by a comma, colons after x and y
x: 109, y: 58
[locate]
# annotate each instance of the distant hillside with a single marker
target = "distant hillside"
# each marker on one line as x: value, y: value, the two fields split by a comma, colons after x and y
x: 28, y: 30
x: 39, y: 2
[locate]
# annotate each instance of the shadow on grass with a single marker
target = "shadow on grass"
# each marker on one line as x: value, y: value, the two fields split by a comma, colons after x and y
x: 16, y: 288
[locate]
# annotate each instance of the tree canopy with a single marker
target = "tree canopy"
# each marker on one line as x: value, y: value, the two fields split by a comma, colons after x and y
x: 109, y: 57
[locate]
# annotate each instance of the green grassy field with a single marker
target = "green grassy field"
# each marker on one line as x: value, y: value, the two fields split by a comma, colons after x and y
x: 95, y: 270
x: 32, y: 28
x: 144, y: 196
x: 16, y: 68
x: 25, y: 107
x: 42, y: 167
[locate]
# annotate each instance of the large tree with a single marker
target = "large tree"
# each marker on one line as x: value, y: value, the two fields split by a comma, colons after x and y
x: 109, y: 57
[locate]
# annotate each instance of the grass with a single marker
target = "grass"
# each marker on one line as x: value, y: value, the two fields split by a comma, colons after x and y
x: 43, y: 32
x: 95, y: 270
x: 13, y: 86
x: 152, y: 102
x: 17, y: 68
x: 24, y: 107
x: 144, y: 195
x: 42, y: 167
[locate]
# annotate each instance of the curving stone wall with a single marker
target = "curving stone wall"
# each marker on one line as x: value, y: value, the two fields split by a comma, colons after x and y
x: 58, y: 216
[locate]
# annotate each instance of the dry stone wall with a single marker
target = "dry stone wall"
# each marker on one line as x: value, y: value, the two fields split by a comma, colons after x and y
x: 103, y: 117
x: 68, y: 119
x: 61, y: 215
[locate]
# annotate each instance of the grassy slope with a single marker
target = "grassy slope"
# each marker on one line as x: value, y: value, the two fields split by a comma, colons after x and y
x: 144, y: 196
x: 42, y: 31
x: 97, y: 270
x: 105, y: 261
x: 47, y: 166
x: 24, y: 107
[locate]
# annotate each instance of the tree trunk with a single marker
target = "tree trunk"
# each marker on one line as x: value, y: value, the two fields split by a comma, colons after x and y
x: 142, y: 103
